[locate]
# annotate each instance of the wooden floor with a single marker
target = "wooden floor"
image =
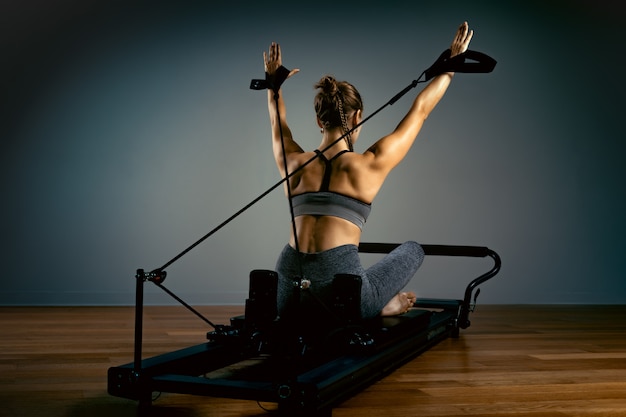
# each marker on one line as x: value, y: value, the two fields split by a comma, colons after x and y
x: 536, y: 361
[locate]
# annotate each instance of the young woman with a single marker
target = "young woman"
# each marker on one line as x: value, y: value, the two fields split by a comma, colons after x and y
x: 332, y: 196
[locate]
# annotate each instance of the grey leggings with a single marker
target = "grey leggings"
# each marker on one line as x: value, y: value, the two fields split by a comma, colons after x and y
x: 380, y: 282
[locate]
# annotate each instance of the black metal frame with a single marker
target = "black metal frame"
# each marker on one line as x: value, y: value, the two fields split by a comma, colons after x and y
x: 233, y: 363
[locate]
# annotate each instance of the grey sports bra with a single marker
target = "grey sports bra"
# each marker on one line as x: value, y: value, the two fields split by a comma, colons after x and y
x: 329, y: 203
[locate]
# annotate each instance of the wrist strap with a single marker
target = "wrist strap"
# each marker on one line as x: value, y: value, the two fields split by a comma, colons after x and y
x: 272, y: 82
x: 458, y: 63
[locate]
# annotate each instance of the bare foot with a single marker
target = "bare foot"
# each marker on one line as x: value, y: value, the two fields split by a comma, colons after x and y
x: 399, y: 304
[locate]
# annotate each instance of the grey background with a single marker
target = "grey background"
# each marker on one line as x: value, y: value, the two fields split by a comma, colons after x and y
x: 129, y: 132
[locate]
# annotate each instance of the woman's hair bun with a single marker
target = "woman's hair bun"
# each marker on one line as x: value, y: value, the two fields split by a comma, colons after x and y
x: 328, y: 85
x: 335, y: 100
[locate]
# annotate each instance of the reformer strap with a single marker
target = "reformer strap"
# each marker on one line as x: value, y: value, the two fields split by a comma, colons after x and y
x: 271, y: 82
x: 484, y: 63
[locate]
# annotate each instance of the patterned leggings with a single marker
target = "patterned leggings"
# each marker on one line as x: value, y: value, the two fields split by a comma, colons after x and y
x: 380, y: 282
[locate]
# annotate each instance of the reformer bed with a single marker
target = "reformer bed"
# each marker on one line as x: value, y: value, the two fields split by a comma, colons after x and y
x: 256, y: 357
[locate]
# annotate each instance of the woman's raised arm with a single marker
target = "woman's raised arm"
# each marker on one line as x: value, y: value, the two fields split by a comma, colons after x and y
x: 272, y: 62
x: 391, y: 149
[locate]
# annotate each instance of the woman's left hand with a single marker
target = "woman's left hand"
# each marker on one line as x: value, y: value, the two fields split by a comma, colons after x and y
x: 461, y: 40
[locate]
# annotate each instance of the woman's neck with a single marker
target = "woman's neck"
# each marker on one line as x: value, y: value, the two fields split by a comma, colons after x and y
x: 332, y: 141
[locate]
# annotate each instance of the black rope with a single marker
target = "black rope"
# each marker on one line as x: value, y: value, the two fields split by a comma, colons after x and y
x: 286, y: 168
x: 190, y: 308
x: 444, y: 63
x: 291, y: 174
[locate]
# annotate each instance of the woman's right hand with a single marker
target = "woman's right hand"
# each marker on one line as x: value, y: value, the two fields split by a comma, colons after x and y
x: 272, y: 60
x: 461, y: 40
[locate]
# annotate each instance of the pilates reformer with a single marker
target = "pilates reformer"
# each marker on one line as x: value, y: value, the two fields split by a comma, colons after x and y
x: 304, y: 366
x: 258, y: 358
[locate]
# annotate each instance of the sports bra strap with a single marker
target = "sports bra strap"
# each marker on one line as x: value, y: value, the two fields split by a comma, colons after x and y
x: 329, y: 168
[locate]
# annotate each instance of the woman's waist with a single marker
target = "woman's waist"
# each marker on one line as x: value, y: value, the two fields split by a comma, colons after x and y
x: 322, y: 233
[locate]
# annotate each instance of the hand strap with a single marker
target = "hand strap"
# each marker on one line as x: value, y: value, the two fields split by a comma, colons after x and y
x: 483, y: 63
x: 272, y: 82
